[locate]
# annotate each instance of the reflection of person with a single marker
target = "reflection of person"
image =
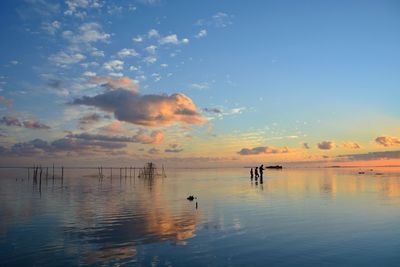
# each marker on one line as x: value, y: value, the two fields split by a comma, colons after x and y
x: 251, y: 173
x: 256, y: 172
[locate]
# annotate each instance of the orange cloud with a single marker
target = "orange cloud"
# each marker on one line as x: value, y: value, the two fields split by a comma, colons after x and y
x: 388, y: 141
x: 146, y: 110
x: 118, y: 83
x: 351, y: 145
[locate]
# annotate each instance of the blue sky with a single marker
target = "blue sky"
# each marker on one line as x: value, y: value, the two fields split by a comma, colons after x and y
x: 261, y: 74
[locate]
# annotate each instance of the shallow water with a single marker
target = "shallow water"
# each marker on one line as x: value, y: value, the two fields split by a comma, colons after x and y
x: 302, y: 217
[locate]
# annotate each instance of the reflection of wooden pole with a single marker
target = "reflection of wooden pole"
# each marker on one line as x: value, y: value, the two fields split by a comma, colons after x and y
x: 62, y: 175
x: 40, y: 180
x: 53, y: 173
x: 111, y: 173
x: 29, y: 173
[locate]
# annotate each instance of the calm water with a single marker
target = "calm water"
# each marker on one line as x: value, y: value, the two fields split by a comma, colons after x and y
x: 314, y: 217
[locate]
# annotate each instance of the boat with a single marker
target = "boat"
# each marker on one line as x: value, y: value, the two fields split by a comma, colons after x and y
x: 274, y: 167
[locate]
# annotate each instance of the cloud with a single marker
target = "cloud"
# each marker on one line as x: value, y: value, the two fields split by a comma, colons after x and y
x: 201, y: 34
x: 116, y: 83
x: 172, y: 39
x: 29, y: 124
x: 151, y: 49
x: 200, y: 86
x: 306, y: 146
x: 219, y: 20
x: 128, y: 53
x: 150, y: 60
x: 41, y: 147
x: 90, y: 119
x: 146, y: 110
x: 173, y: 148
x: 351, y: 145
x: 114, y: 65
x: 156, y: 137
x: 87, y: 33
x: 64, y: 59
x: 262, y: 150
x: 326, y: 145
x: 78, y: 7
x: 51, y: 27
x: 137, y: 39
x: 213, y: 110
x: 10, y: 121
x: 89, y: 74
x: 371, y: 156
x: 387, y: 141
x: 153, y: 34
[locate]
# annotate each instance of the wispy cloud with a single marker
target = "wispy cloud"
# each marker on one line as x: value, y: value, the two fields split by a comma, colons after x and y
x: 371, y: 156
x: 156, y: 137
x: 116, y: 83
x: 29, y: 124
x: 219, y: 20
x: 262, y: 150
x: 201, y: 34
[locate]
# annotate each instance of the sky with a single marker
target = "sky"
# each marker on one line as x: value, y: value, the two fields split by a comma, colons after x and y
x: 200, y: 83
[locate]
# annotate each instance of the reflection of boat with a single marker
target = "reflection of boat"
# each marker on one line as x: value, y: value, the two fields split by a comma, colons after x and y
x: 150, y: 171
x: 274, y: 167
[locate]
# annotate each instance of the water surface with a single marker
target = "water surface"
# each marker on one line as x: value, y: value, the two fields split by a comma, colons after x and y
x: 302, y: 217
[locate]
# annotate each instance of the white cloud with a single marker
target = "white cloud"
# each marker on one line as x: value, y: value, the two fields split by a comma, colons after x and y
x: 150, y: 60
x: 89, y: 74
x: 153, y: 34
x: 169, y: 39
x: 151, y: 49
x: 200, y: 86
x: 163, y: 65
x: 127, y: 53
x: 51, y: 27
x: 137, y: 39
x: 156, y: 76
x: 201, y: 34
x: 63, y: 59
x: 219, y: 20
x: 87, y: 33
x: 97, y: 53
x: 78, y: 7
x: 114, y: 65
x: 172, y: 39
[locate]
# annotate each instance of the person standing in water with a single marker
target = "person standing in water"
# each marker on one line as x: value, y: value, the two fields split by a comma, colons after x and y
x: 251, y: 174
x: 261, y: 172
x: 256, y: 172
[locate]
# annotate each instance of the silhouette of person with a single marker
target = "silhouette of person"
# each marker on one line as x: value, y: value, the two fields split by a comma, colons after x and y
x: 251, y: 174
x: 261, y: 171
x: 256, y: 172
